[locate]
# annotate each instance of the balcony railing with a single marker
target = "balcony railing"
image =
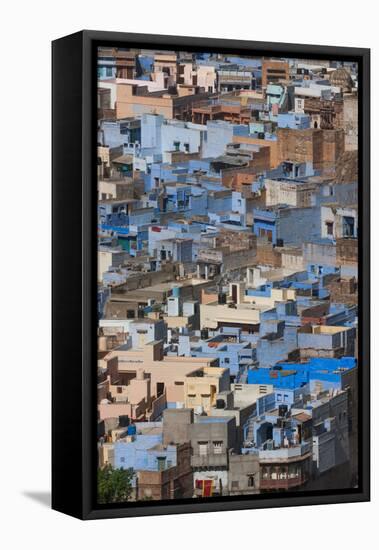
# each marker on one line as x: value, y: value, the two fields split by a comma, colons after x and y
x: 284, y: 453
x: 284, y: 484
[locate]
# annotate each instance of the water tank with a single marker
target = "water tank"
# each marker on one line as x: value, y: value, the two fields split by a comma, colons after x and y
x: 204, y: 334
x: 132, y: 430
x: 176, y: 292
x: 222, y: 298
x: 123, y: 420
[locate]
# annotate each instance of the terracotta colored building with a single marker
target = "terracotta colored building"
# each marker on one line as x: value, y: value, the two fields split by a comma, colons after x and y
x: 274, y: 70
x: 321, y: 147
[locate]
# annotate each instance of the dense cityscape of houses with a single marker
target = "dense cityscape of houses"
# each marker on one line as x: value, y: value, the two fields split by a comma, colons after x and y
x: 227, y: 273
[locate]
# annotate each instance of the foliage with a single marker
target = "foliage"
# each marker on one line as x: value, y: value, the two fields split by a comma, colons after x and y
x: 114, y: 484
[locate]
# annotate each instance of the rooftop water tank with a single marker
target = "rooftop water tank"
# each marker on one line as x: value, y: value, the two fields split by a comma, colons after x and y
x: 123, y: 420
x: 132, y: 430
x: 222, y: 298
x: 176, y: 292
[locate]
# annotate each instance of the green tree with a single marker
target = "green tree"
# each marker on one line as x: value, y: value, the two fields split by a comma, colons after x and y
x: 114, y: 484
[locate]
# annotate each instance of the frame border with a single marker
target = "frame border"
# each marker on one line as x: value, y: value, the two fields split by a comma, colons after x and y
x: 74, y: 461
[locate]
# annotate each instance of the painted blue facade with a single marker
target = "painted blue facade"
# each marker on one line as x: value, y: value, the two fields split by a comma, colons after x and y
x: 134, y: 453
x: 273, y: 348
x: 277, y: 224
x: 295, y: 121
x: 145, y: 453
x: 294, y: 375
x: 232, y: 356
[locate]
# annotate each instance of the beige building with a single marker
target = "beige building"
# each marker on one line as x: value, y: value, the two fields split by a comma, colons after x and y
x: 241, y: 309
x: 108, y: 258
x: 213, y: 315
x: 106, y: 454
x: 167, y: 374
x: 131, y: 104
x: 246, y: 394
x: 292, y: 259
x: 287, y: 192
x: 202, y: 386
x: 115, y: 188
x: 166, y: 64
x: 134, y: 101
x: 111, y: 85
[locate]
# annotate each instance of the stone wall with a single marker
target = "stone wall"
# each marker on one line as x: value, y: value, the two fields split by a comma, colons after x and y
x: 268, y: 255
x: 321, y: 147
x: 347, y: 251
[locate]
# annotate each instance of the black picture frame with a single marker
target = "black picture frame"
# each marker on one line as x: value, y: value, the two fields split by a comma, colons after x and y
x: 74, y: 318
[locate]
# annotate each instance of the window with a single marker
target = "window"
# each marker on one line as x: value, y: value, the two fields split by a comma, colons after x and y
x: 122, y: 459
x: 186, y: 147
x: 119, y: 389
x: 250, y: 481
x: 217, y: 447
x: 348, y: 226
x: 178, y: 383
x: 203, y: 448
x: 176, y: 145
x: 191, y: 399
x: 130, y: 314
x: 329, y: 228
x: 161, y: 463
x: 227, y: 360
x: 235, y: 485
x: 265, y: 233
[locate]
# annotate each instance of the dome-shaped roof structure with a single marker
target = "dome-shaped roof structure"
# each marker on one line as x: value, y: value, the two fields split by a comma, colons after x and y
x: 342, y: 78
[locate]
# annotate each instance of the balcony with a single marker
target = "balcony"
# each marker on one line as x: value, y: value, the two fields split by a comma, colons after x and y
x: 285, y: 454
x: 282, y: 484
